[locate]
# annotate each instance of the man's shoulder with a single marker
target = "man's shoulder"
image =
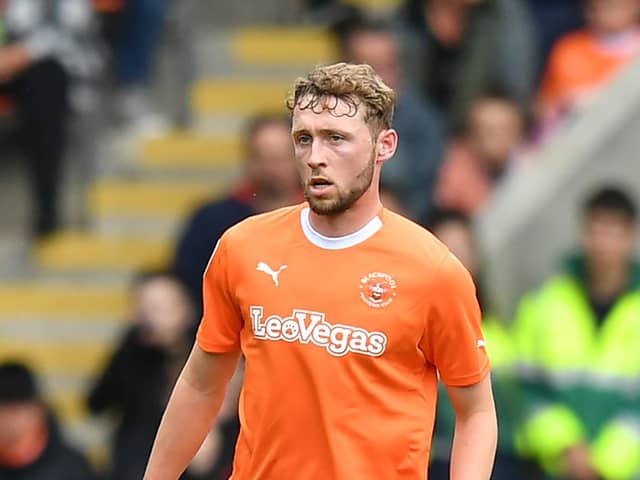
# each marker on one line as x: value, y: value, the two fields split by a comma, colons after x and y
x: 254, y: 226
x: 573, y: 43
x: 413, y: 240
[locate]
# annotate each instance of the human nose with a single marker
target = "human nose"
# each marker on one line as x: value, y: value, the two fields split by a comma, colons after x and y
x: 316, y: 158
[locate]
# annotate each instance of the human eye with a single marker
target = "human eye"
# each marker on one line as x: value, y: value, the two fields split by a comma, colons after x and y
x: 303, y: 139
x: 336, y: 138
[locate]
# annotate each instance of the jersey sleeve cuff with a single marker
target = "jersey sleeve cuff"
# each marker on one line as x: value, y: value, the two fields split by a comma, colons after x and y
x: 468, y: 380
x: 216, y: 347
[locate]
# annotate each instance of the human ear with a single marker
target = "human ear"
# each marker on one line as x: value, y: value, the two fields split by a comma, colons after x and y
x: 386, y: 145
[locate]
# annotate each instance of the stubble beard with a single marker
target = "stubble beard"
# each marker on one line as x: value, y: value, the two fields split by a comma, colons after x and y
x: 343, y: 199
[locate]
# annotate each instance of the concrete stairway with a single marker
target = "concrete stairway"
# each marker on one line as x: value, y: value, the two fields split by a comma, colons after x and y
x: 65, y: 317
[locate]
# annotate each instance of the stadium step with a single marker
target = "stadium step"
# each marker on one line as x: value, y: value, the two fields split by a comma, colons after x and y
x: 76, y: 302
x: 216, y: 96
x: 282, y: 46
x: 380, y: 7
x: 139, y: 198
x: 54, y: 358
x: 184, y: 150
x: 85, y: 251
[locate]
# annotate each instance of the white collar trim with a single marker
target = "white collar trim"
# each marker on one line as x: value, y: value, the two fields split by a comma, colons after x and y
x: 338, y: 243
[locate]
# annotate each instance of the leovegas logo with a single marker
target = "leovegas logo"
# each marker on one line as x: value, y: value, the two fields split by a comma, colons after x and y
x: 306, y: 327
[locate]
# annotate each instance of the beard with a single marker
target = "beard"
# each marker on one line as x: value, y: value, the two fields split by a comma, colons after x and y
x: 344, y: 198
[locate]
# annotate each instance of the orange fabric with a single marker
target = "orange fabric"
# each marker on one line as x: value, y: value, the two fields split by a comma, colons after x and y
x: 463, y: 183
x: 579, y: 64
x: 341, y: 345
x: 108, y: 6
x: 6, y: 106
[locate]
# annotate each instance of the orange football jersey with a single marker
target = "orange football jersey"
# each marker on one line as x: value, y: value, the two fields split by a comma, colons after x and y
x: 342, y: 339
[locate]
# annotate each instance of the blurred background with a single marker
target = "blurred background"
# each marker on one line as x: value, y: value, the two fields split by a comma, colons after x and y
x: 133, y: 132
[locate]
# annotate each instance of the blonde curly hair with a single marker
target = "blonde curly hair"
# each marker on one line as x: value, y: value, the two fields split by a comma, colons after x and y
x: 354, y: 85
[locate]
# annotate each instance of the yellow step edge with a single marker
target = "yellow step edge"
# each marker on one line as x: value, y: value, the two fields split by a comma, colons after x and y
x: 86, y: 359
x: 99, y: 456
x: 282, y: 46
x: 76, y: 301
x: 239, y: 96
x: 69, y: 406
x: 375, y: 4
x: 150, y: 199
x: 187, y: 150
x: 78, y: 251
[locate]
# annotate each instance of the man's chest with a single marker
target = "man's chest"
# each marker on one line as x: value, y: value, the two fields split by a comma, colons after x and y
x: 343, y: 305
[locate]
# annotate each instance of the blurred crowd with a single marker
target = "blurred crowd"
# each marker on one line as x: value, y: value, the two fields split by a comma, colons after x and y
x: 56, y: 59
x: 482, y: 85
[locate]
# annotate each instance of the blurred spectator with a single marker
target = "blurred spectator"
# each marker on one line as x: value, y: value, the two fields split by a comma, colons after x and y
x: 139, y: 377
x: 454, y: 229
x: 45, y: 45
x: 553, y: 19
x: 270, y: 181
x: 458, y: 48
x: 31, y: 446
x: 327, y: 12
x: 414, y: 168
x: 110, y: 16
x: 582, y: 62
x: 578, y: 337
x: 477, y: 161
x: 134, y: 31
x: 390, y: 199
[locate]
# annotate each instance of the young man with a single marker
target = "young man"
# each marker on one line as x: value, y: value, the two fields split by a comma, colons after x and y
x: 578, y: 338
x: 344, y: 312
x: 32, y: 446
x: 583, y: 62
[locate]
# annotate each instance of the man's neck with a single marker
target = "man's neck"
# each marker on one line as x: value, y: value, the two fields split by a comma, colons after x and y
x: 606, y: 284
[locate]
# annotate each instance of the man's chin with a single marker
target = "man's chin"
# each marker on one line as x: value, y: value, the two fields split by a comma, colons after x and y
x: 327, y: 207
x: 321, y: 206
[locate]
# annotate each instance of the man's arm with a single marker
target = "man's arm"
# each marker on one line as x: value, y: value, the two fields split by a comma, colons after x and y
x: 192, y: 408
x: 476, y: 433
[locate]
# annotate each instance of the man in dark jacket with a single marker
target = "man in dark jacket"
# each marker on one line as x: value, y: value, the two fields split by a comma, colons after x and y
x: 413, y: 171
x: 31, y: 447
x: 270, y: 181
x: 139, y: 377
x: 44, y: 46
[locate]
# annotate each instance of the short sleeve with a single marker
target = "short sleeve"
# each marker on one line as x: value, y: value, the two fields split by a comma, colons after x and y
x: 219, y: 330
x: 453, y: 340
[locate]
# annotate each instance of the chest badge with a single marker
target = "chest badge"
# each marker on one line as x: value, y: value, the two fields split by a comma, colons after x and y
x: 377, y: 289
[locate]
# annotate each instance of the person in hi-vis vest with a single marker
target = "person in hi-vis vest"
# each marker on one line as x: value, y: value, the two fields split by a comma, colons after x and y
x: 578, y: 339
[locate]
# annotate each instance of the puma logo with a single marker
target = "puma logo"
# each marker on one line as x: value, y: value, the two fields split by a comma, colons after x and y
x: 263, y: 267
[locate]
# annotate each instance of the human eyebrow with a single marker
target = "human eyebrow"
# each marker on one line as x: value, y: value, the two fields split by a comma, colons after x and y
x: 300, y: 131
x: 332, y: 131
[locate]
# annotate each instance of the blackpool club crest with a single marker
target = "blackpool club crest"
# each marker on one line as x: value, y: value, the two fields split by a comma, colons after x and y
x: 377, y: 289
